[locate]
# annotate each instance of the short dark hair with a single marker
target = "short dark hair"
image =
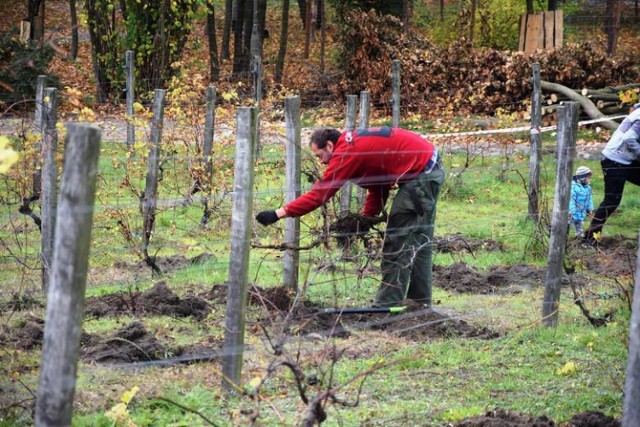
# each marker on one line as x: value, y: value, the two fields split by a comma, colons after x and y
x: 320, y: 137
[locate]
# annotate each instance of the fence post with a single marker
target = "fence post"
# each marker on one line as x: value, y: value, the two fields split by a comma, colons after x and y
x: 631, y: 407
x: 49, y: 182
x: 363, y: 123
x: 65, y: 302
x: 567, y: 129
x: 37, y: 164
x: 233, y: 347
x: 395, y: 101
x: 129, y: 66
x: 207, y: 148
x: 291, y: 257
x: 350, y: 125
x: 535, y: 151
x: 149, y: 199
x: 257, y: 84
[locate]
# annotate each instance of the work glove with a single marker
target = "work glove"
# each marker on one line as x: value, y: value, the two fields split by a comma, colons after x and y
x: 267, y: 217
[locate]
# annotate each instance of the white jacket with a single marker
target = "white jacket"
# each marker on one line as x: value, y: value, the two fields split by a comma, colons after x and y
x: 624, y: 145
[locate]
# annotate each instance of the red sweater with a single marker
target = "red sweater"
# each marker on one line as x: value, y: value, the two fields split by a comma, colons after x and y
x: 375, y: 159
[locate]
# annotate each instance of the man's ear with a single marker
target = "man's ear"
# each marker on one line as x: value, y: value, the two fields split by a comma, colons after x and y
x: 330, y: 146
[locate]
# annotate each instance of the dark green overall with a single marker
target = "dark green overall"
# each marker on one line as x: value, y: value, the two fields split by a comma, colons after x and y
x: 407, y: 250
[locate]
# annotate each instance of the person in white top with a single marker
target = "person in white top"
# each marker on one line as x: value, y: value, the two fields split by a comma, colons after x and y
x: 620, y: 164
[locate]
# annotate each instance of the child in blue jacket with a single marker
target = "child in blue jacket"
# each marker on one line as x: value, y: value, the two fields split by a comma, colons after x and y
x: 581, y: 203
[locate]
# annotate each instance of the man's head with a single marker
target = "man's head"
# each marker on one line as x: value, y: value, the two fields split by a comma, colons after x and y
x: 323, y: 142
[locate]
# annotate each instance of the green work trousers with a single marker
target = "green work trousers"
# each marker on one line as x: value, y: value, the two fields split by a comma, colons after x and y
x: 407, y: 250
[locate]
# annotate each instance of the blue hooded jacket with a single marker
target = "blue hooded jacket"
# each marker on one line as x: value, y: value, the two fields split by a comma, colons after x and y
x: 581, y: 202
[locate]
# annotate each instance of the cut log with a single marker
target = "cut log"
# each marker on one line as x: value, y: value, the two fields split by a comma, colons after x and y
x: 587, y: 105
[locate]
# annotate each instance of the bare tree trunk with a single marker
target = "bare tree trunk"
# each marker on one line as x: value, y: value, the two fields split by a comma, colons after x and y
x: 530, y: 9
x: 442, y: 10
x: 302, y: 7
x: 612, y: 25
x: 239, y: 56
x: 226, y: 31
x: 282, y: 52
x: 472, y: 24
x: 74, y: 29
x: 214, y: 63
x: 307, y: 27
x: 407, y: 14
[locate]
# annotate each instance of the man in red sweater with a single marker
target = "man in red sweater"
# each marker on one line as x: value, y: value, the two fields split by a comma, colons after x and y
x: 380, y: 159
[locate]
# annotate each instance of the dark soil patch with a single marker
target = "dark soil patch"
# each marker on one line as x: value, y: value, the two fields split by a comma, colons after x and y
x: 24, y: 337
x: 158, y: 300
x: 457, y: 243
x: 614, y: 257
x: 462, y: 278
x: 502, y: 418
x: 131, y: 343
x: 30, y: 334
x: 419, y: 323
x: 277, y: 298
x: 592, y: 419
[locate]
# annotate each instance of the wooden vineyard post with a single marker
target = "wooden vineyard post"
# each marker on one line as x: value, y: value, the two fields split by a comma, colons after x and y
x: 241, y: 217
x: 65, y: 302
x: 350, y: 125
x: 291, y: 257
x: 395, y: 101
x: 149, y: 199
x: 363, y: 123
x: 207, y: 150
x: 631, y: 407
x: 535, y: 151
x: 49, y: 192
x: 567, y: 130
x: 129, y: 68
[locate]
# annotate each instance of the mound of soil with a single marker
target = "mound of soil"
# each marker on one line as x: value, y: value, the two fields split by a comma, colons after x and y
x: 419, y: 323
x: 614, y: 257
x: 20, y: 301
x: 456, y: 243
x: 131, y: 343
x: 26, y: 336
x: 502, y: 418
x: 277, y: 298
x: 461, y: 278
x: 158, y: 300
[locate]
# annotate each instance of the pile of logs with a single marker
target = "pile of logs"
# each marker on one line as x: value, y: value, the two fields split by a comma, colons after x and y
x: 595, y: 103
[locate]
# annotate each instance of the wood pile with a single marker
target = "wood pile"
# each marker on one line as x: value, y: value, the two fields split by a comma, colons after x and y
x: 458, y: 79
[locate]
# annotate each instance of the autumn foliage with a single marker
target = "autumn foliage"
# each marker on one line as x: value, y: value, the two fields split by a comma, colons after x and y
x: 458, y: 78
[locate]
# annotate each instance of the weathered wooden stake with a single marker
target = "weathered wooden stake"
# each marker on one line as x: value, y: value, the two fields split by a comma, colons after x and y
x: 350, y: 125
x: 631, y: 407
x: 257, y: 84
x: 535, y: 151
x: 363, y: 123
x: 49, y: 183
x: 291, y: 257
x: 65, y: 303
x: 241, y: 218
x: 567, y: 129
x: 395, y: 101
x: 37, y: 163
x: 149, y: 200
x: 129, y: 66
x: 207, y: 149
